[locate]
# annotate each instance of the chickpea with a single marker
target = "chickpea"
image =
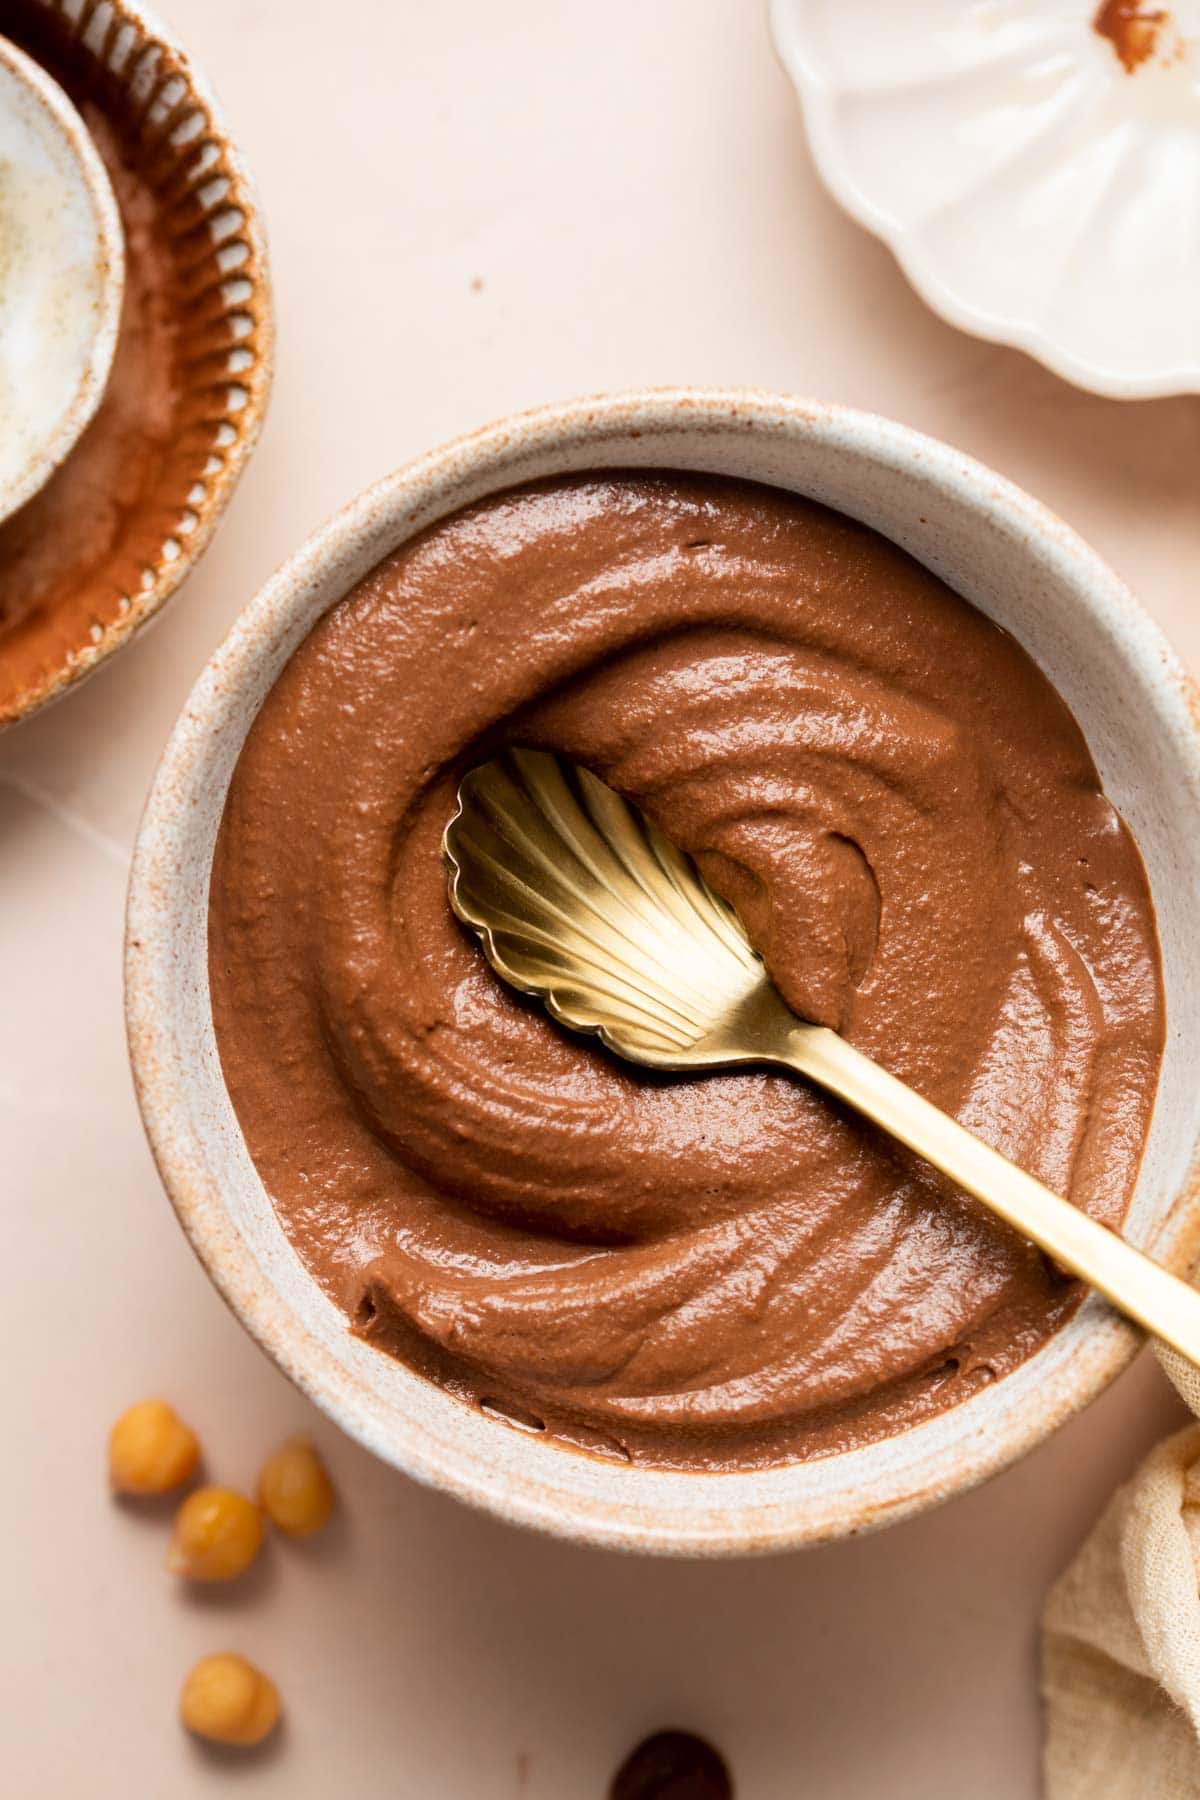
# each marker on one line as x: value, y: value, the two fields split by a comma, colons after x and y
x: 227, y: 1700
x: 294, y: 1490
x: 217, y: 1535
x: 151, y: 1450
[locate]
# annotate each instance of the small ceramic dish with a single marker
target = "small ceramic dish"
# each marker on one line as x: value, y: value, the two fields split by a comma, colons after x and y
x: 1037, y: 180
x: 64, y: 276
x: 992, y: 543
x: 107, y: 540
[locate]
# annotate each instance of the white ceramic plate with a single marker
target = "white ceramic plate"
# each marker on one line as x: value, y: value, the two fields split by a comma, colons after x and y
x: 1034, y: 190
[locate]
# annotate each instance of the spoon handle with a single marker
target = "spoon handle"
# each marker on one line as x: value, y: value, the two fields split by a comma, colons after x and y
x: 1140, y: 1288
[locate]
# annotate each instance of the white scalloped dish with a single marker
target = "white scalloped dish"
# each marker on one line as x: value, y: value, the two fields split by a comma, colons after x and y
x: 1038, y: 181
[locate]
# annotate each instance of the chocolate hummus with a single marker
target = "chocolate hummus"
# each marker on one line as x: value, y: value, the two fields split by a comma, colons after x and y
x: 1132, y: 29
x: 711, y: 1273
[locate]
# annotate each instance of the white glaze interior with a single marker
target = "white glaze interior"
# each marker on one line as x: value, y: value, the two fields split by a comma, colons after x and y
x: 997, y: 547
x: 62, y: 268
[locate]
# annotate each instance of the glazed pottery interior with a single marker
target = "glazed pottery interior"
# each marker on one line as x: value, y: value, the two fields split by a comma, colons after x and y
x: 205, y: 335
x: 996, y: 547
x: 61, y: 302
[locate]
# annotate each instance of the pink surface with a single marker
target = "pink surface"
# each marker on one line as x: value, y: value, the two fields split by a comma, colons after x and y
x: 631, y: 188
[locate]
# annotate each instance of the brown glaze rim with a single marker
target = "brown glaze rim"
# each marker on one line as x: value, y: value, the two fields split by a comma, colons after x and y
x: 129, y: 62
x: 107, y: 266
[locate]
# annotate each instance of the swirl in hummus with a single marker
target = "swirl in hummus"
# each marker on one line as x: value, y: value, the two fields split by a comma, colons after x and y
x: 705, y: 1273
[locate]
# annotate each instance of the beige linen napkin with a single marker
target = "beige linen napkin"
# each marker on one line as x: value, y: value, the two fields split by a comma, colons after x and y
x: 1121, y: 1636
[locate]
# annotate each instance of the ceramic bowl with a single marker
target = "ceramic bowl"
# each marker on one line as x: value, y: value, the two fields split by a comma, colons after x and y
x: 992, y: 543
x: 155, y: 472
x: 63, y: 280
x: 1037, y: 181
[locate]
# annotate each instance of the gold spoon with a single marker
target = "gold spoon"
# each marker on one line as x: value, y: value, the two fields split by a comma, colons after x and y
x: 581, y: 901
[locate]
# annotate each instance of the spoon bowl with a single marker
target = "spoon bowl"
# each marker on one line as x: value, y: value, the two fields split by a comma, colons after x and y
x: 580, y: 900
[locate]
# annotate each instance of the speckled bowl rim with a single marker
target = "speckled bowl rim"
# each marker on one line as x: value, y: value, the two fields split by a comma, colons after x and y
x: 164, y: 899
x: 183, y: 85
